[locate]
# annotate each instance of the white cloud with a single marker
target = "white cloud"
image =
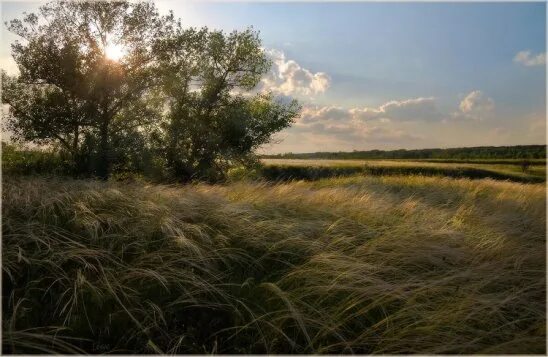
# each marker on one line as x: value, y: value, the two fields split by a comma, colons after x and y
x: 287, y: 77
x: 353, y: 132
x: 311, y: 114
x: 526, y: 59
x: 386, y: 125
x: 476, y: 106
x: 417, y: 109
x: 340, y: 127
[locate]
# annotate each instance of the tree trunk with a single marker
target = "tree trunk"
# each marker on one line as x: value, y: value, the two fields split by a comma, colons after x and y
x: 76, y: 157
x: 103, y: 164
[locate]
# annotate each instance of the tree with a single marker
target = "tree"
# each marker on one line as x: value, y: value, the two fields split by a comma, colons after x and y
x: 213, y: 121
x: 69, y: 91
x: 42, y: 114
x: 112, y: 82
x: 525, y: 164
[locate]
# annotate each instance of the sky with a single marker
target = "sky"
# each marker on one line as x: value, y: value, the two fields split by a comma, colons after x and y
x: 374, y: 75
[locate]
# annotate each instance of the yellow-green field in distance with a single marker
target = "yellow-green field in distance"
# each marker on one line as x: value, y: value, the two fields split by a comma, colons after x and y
x: 535, y: 170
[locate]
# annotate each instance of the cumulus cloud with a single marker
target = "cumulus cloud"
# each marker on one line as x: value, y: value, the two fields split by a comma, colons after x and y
x: 476, y: 106
x: 527, y: 59
x: 311, y: 114
x: 343, y: 128
x: 385, y: 124
x: 287, y: 77
x: 353, y: 132
x: 390, y: 135
x: 330, y: 127
x: 417, y: 109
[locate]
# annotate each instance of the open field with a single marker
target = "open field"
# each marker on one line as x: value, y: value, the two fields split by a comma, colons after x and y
x: 541, y: 162
x: 363, y: 264
x: 303, y: 168
x: 352, y: 178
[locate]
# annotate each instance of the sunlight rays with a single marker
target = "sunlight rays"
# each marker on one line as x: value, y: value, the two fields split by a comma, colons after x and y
x: 114, y: 51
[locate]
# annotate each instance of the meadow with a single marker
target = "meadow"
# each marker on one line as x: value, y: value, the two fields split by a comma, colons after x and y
x: 138, y: 218
x: 530, y: 171
x: 381, y: 264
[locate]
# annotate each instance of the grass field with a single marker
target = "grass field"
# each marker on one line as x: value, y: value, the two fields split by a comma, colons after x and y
x: 303, y: 169
x: 360, y: 264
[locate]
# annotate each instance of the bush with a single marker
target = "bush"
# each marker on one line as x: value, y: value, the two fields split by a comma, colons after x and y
x: 20, y: 161
x: 242, y: 173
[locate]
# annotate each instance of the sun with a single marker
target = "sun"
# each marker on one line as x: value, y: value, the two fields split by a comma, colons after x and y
x: 114, y: 51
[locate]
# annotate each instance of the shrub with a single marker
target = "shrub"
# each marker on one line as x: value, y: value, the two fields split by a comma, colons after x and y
x: 17, y: 160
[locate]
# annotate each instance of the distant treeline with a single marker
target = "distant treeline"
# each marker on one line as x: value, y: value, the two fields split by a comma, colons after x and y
x: 480, y: 153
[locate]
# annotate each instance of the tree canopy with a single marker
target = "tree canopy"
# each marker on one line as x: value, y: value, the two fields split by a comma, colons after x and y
x: 181, y: 97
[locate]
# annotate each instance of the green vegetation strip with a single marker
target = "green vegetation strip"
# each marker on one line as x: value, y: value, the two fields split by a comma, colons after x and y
x: 521, y: 152
x: 301, y: 172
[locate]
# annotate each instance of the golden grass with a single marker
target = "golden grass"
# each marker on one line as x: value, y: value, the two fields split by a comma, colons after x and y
x: 399, y: 264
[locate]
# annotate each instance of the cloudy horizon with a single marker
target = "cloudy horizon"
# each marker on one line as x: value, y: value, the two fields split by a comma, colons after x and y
x: 388, y: 75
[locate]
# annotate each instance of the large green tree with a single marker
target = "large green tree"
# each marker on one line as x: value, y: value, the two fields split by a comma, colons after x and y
x: 69, y: 90
x: 113, y: 83
x: 214, y: 119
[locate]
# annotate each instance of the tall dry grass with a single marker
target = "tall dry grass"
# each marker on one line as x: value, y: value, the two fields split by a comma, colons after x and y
x: 348, y: 265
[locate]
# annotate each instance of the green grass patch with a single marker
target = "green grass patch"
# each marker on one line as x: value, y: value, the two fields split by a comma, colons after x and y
x: 19, y: 161
x: 282, y: 170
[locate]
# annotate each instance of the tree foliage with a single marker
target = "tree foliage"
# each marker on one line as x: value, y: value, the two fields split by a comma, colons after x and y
x: 180, y: 96
x: 211, y: 121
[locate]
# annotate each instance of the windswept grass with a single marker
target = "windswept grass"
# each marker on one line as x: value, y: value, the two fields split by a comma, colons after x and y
x: 349, y: 265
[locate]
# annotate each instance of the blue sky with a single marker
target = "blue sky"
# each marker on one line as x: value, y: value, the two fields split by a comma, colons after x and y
x: 391, y: 75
